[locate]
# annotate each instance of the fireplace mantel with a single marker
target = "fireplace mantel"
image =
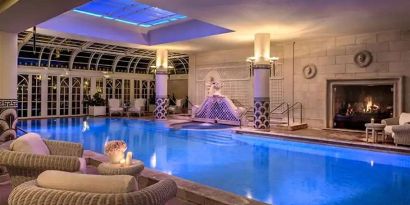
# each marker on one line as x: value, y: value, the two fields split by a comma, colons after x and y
x: 396, y: 82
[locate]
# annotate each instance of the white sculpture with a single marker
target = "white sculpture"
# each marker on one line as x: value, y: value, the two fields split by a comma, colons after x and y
x: 214, y: 88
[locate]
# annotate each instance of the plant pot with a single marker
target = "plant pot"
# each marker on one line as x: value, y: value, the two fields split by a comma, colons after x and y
x: 97, y: 110
x: 116, y: 157
x: 151, y: 107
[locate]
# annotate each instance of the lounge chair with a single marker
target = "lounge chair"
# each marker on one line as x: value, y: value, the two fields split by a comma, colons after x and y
x: 29, y: 155
x: 177, y: 108
x: 56, y: 187
x: 114, y: 107
x: 398, y: 128
x: 137, y: 107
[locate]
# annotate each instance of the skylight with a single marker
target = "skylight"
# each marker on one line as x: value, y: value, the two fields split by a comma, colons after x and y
x: 129, y: 12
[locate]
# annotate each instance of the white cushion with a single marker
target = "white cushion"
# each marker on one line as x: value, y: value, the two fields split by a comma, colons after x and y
x: 388, y: 130
x: 178, y: 103
x: 83, y: 165
x: 68, y: 181
x: 139, y: 102
x: 404, y: 118
x: 114, y: 103
x: 116, y: 109
x: 30, y: 143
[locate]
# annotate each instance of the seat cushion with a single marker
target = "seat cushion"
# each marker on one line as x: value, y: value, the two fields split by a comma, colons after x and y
x: 30, y: 143
x: 83, y: 165
x: 388, y: 130
x: 68, y: 181
x: 116, y: 109
x: 404, y: 118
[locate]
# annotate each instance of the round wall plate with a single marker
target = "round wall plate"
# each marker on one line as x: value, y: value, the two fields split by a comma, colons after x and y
x: 309, y: 71
x: 363, y: 58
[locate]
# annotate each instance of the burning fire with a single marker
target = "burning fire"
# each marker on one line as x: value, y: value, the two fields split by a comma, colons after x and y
x: 370, y: 106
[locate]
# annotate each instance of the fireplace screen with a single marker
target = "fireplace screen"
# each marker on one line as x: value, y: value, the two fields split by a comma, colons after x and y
x: 355, y: 105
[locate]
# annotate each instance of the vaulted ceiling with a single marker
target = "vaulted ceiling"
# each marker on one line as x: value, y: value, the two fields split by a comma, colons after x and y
x: 210, y: 24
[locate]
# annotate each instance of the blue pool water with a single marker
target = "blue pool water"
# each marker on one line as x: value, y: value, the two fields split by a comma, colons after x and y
x: 274, y: 171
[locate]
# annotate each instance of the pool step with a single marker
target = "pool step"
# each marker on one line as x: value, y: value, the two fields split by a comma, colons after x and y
x: 216, y: 139
x: 292, y: 127
x: 284, y: 126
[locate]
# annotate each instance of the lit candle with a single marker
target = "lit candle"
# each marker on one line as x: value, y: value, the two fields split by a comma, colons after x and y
x: 128, y: 159
x: 372, y: 120
x: 122, y: 162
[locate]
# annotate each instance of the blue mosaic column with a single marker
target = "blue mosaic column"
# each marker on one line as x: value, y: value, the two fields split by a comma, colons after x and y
x: 8, y: 90
x: 8, y: 119
x: 8, y: 86
x: 161, y: 98
x: 261, y: 110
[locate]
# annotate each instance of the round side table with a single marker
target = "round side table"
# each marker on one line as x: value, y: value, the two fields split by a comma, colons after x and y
x: 134, y: 169
x: 375, y: 128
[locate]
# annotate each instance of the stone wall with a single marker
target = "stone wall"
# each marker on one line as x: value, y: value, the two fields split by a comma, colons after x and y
x: 333, y: 56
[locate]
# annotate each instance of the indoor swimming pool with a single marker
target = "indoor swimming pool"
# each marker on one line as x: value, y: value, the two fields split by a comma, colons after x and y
x: 272, y: 170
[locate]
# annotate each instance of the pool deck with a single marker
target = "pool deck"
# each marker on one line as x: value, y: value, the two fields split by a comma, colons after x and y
x: 327, y: 136
x: 333, y: 137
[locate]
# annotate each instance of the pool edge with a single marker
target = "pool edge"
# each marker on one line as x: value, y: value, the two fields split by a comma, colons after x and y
x: 342, y: 143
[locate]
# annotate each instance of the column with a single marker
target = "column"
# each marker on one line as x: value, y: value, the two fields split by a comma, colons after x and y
x: 161, y: 85
x: 93, y: 86
x: 44, y: 94
x: 261, y: 69
x: 8, y: 86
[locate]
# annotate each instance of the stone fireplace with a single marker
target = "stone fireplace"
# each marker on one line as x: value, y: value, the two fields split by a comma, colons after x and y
x: 352, y: 103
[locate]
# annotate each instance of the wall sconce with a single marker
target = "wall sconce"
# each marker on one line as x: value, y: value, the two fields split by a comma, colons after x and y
x: 272, y: 61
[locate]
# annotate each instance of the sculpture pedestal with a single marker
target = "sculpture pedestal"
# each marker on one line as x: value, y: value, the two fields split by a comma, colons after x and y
x: 218, y: 109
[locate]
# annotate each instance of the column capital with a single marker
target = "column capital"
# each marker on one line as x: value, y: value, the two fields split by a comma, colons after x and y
x: 161, y: 72
x: 261, y: 66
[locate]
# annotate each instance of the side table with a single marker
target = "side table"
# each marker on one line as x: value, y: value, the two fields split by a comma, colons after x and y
x: 375, y: 128
x: 134, y: 169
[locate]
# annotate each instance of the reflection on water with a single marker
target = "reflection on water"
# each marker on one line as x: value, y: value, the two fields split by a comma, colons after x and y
x: 270, y: 170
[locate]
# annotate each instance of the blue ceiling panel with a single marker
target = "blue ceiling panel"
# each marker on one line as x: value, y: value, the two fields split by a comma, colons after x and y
x: 129, y: 12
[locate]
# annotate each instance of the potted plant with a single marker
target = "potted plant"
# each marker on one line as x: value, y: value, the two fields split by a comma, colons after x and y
x: 185, y: 105
x: 151, y: 102
x: 96, y: 105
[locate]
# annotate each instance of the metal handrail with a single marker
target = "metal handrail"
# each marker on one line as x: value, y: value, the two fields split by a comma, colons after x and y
x: 288, y: 108
x: 190, y: 103
x: 277, y: 107
x: 293, y: 107
x: 243, y: 114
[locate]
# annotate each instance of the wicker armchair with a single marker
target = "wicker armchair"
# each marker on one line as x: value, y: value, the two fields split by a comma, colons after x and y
x: 398, y: 128
x: 401, y: 134
x: 29, y: 193
x: 24, y: 167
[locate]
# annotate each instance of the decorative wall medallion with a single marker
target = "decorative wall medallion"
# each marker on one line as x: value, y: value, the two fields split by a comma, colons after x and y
x: 309, y: 71
x: 363, y: 58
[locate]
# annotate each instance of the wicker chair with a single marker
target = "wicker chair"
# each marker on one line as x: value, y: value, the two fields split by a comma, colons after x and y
x: 24, y: 167
x: 398, y: 128
x: 401, y: 134
x: 29, y: 193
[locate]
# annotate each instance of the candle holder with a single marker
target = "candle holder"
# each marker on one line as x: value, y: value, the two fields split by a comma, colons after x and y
x: 128, y: 159
x: 115, y: 150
